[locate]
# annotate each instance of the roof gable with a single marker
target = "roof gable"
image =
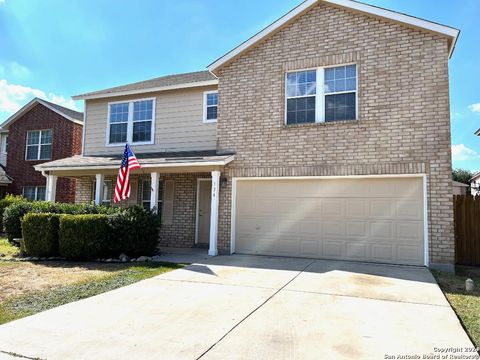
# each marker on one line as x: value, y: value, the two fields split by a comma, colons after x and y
x: 68, y: 114
x: 301, y: 9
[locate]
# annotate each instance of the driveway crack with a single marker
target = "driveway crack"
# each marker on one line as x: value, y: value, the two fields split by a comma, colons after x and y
x: 254, y: 310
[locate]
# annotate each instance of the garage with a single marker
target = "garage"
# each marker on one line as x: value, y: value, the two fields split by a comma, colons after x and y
x: 374, y: 219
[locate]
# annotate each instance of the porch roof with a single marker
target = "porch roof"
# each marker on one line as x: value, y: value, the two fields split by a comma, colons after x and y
x: 147, y: 160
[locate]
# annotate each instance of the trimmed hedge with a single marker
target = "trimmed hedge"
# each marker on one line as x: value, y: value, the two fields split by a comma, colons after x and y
x: 7, y: 201
x: 134, y: 231
x: 40, y: 234
x: 14, y: 213
x: 84, y: 237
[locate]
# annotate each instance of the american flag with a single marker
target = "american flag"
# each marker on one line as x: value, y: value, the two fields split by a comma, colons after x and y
x: 129, y: 162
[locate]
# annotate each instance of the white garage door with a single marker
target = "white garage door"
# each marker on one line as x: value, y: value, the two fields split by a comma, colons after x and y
x: 370, y: 219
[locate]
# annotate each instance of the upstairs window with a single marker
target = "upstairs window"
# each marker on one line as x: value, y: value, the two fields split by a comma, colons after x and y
x: 131, y: 122
x: 210, y: 106
x: 321, y: 95
x: 39, y: 145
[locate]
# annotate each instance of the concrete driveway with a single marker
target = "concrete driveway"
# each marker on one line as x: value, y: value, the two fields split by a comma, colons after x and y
x: 249, y: 307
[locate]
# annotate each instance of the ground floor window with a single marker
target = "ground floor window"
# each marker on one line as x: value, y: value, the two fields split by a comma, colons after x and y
x: 34, y: 193
x: 107, y: 191
x: 146, y: 190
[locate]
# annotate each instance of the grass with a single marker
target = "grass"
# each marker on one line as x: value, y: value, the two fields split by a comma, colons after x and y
x: 36, y: 301
x: 8, y: 249
x: 466, y: 304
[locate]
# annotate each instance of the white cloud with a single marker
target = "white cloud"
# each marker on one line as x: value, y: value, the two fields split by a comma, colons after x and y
x: 475, y: 107
x: 460, y: 153
x: 14, y: 70
x: 13, y: 97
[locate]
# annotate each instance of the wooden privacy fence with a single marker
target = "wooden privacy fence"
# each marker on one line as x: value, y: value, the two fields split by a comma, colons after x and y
x: 466, y: 210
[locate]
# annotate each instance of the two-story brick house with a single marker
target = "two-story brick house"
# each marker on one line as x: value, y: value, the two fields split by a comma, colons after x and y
x: 325, y: 135
x: 39, y: 132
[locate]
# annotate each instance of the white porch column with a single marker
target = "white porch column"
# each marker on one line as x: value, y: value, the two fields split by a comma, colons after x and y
x: 99, y: 180
x: 154, y: 190
x: 51, y: 188
x: 212, y: 251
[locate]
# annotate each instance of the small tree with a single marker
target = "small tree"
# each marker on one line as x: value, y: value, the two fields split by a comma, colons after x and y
x: 462, y: 175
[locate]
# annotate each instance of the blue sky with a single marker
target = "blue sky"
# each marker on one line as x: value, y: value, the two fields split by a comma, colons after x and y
x: 55, y: 48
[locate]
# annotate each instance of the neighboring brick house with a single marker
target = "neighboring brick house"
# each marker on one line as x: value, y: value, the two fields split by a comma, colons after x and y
x: 41, y: 131
x: 326, y: 135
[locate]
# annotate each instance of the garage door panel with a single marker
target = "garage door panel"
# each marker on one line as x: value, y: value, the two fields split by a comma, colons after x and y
x: 377, y: 220
x: 381, y: 230
x: 407, y: 209
x: 409, y: 231
x: 333, y: 248
x: 409, y: 254
x: 381, y: 208
x: 356, y: 250
x: 333, y: 208
x: 357, y: 209
x: 383, y: 252
x: 333, y: 228
x: 357, y: 229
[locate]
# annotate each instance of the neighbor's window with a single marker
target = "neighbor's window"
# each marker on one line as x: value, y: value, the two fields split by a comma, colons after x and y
x: 39, y: 145
x: 210, y: 106
x: 321, y: 95
x: 131, y: 121
x: 34, y: 193
x: 5, y: 144
x: 146, y: 190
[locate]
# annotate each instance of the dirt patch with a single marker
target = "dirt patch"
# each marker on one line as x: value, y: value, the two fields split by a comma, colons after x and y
x: 17, y: 278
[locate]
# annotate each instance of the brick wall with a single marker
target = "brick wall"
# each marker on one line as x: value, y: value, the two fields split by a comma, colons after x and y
x: 404, y: 121
x: 67, y: 141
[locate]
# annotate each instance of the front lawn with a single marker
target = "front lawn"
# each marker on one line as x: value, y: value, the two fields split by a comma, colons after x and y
x: 29, y: 288
x: 7, y: 249
x: 466, y: 304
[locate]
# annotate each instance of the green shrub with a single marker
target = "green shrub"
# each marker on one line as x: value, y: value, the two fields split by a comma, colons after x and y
x: 7, y: 201
x: 12, y: 217
x: 134, y: 231
x: 84, y: 237
x: 40, y: 234
x: 14, y: 213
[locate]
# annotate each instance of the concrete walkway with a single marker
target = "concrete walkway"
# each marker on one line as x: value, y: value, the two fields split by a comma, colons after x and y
x: 249, y: 307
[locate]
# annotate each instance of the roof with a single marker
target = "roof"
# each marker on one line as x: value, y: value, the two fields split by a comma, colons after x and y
x: 79, y: 162
x: 169, y: 82
x: 401, y: 18
x: 4, y: 178
x: 69, y: 114
x: 456, y: 183
x: 475, y: 176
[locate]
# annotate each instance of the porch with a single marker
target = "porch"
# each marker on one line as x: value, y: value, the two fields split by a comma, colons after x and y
x: 182, y: 187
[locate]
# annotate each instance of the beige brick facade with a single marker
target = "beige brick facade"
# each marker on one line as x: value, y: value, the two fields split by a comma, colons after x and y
x: 403, y: 108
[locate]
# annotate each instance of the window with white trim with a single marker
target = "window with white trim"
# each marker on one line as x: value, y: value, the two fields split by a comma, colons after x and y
x: 210, y: 106
x: 36, y: 193
x: 321, y: 95
x: 39, y: 145
x: 5, y: 144
x: 131, y: 121
x: 146, y: 192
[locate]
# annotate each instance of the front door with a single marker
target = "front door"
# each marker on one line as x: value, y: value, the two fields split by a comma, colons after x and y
x: 204, y: 202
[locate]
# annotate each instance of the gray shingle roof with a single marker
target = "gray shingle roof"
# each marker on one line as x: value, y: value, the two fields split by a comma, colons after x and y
x: 69, y: 112
x: 80, y: 161
x: 169, y: 80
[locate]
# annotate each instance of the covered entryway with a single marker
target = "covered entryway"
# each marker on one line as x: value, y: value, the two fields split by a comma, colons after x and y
x: 364, y: 219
